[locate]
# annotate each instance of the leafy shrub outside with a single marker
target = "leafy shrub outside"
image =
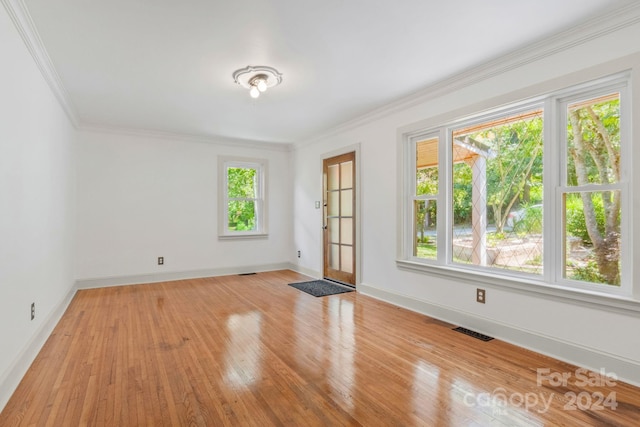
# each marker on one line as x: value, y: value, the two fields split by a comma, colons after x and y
x: 576, y: 224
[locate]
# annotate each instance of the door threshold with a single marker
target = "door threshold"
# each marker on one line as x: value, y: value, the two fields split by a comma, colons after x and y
x: 339, y: 282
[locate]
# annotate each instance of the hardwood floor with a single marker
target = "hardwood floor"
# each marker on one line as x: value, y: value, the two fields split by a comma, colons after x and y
x: 250, y: 350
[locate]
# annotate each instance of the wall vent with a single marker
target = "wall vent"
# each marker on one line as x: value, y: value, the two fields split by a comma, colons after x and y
x: 473, y: 334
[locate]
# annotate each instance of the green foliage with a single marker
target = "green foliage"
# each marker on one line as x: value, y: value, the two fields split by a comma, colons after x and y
x: 494, y: 239
x: 536, y: 260
x: 609, y: 114
x: 516, y: 168
x: 531, y: 222
x: 587, y: 273
x: 575, y: 220
x: 242, y: 215
x: 462, y: 182
x: 427, y: 181
x: 241, y: 182
x: 514, y: 171
x: 426, y: 250
x: 242, y: 192
x: 426, y: 211
x: 593, y: 145
x: 426, y: 217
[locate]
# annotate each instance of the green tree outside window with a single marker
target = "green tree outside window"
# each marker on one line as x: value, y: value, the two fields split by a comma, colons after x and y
x: 242, y: 198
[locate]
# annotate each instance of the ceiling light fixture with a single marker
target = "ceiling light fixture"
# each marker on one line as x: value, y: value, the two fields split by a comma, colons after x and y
x: 257, y: 78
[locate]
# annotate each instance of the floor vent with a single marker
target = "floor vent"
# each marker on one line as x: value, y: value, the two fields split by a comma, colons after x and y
x: 473, y: 334
x: 246, y: 274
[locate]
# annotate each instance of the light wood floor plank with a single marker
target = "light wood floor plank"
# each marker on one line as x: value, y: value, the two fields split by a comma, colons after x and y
x: 252, y: 351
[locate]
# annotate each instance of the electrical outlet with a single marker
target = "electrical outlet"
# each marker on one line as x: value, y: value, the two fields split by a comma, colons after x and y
x: 481, y: 295
x: 33, y: 310
x: 160, y: 260
x: 298, y: 254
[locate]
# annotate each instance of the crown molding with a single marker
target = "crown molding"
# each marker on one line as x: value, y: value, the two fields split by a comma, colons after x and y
x: 176, y: 136
x: 584, y: 32
x: 19, y: 14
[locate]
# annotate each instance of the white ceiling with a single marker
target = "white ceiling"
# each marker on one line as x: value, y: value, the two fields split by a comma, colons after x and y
x: 166, y: 65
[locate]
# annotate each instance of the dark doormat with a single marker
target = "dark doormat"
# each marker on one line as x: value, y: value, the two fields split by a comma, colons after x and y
x: 321, y: 288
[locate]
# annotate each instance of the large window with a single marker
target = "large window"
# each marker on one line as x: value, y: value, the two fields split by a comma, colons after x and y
x: 532, y: 192
x: 242, y: 204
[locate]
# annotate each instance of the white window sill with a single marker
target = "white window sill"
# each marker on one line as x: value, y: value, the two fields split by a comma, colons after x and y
x: 243, y: 236
x: 592, y: 299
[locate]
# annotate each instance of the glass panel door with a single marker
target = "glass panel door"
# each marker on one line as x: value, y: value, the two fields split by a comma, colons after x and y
x: 339, y: 218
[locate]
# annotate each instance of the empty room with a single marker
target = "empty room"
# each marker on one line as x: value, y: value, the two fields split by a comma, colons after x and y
x: 277, y: 212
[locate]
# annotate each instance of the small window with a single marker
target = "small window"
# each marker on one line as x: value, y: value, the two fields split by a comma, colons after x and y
x: 242, y: 204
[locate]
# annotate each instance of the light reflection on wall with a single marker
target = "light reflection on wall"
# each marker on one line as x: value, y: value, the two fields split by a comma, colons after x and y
x: 243, y: 355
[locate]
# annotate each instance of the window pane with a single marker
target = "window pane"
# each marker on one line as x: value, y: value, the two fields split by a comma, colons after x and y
x: 333, y: 203
x: 427, y: 167
x: 346, y: 203
x: 593, y: 138
x: 334, y: 257
x: 242, y: 188
x: 334, y: 230
x: 333, y: 177
x: 346, y: 231
x: 346, y: 175
x: 346, y: 258
x: 425, y: 232
x: 497, y: 193
x: 241, y: 215
x: 241, y: 182
x: 592, y: 237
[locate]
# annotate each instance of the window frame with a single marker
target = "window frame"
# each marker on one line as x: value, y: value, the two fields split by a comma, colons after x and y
x: 261, y: 167
x: 550, y: 282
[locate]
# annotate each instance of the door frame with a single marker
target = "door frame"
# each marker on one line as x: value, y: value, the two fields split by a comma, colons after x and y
x: 354, y: 148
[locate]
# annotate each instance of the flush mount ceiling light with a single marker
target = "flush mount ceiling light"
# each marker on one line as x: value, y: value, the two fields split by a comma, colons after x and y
x: 257, y: 78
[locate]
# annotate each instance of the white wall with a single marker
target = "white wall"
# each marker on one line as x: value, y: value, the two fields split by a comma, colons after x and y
x: 141, y: 197
x: 36, y: 208
x: 584, y: 334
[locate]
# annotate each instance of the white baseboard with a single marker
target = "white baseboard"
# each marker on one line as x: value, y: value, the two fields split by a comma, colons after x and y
x: 306, y: 271
x: 102, y: 282
x: 11, y: 379
x: 595, y: 359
